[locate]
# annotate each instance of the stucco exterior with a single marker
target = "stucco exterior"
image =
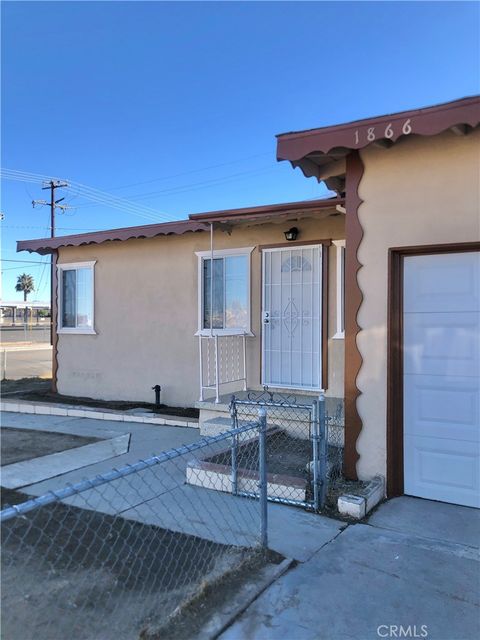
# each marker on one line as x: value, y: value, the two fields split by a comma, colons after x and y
x: 421, y: 191
x: 146, y: 314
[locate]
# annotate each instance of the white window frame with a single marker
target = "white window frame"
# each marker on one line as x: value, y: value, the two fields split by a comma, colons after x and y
x: 340, y: 289
x: 222, y: 253
x: 73, y: 266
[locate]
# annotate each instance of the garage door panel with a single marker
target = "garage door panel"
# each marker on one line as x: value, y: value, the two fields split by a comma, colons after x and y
x: 445, y: 282
x: 444, y: 470
x: 442, y: 343
x: 441, y: 382
x: 442, y: 407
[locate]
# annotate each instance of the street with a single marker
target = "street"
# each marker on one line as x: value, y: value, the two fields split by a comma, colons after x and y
x: 25, y: 351
x: 25, y: 333
x: 26, y: 361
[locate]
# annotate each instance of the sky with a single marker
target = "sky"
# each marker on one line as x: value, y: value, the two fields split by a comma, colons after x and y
x: 175, y: 105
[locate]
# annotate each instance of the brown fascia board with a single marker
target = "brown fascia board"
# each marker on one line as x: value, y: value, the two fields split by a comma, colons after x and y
x: 342, y: 138
x: 196, y: 222
x: 48, y: 245
x: 267, y: 210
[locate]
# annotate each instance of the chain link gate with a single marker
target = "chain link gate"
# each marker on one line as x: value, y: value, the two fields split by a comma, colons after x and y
x: 296, y: 443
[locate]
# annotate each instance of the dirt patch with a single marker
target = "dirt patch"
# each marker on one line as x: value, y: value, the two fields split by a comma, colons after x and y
x: 44, y: 394
x: 24, y: 385
x: 289, y: 456
x: 286, y: 455
x: 25, y: 444
x: 70, y: 572
x: 188, y: 620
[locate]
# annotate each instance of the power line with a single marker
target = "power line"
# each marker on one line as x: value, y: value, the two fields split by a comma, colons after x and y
x: 86, y: 192
x: 28, y: 226
x: 94, y: 194
x: 198, y: 185
x: 211, y: 182
x: 186, y: 173
x: 22, y: 261
x: 20, y: 267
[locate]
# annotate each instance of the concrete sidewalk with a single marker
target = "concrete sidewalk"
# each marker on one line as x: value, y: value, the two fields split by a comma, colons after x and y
x: 413, y: 564
x: 160, y: 496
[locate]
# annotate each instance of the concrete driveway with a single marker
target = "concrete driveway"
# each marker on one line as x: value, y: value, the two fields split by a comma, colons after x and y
x: 412, y: 571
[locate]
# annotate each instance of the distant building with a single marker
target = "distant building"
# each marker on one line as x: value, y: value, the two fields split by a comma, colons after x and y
x: 17, y: 311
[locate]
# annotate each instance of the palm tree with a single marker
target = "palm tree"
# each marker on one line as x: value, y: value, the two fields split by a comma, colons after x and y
x: 25, y: 283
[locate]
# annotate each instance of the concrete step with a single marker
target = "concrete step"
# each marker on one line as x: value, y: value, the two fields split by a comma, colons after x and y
x: 214, y: 426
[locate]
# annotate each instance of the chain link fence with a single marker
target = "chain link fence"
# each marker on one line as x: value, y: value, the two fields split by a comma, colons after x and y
x: 304, y: 448
x: 117, y: 555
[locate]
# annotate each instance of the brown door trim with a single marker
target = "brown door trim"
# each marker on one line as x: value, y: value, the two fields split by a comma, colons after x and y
x: 396, y: 258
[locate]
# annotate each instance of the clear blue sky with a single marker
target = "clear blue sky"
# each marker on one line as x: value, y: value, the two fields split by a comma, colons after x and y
x: 110, y: 94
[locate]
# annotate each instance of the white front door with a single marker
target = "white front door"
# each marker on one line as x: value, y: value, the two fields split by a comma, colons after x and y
x: 292, y: 318
x: 442, y: 377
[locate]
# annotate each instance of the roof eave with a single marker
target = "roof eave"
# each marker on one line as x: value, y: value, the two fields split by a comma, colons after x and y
x: 44, y: 246
x: 249, y: 213
x: 338, y: 140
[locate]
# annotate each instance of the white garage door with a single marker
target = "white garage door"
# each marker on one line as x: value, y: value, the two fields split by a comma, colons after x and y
x: 442, y: 377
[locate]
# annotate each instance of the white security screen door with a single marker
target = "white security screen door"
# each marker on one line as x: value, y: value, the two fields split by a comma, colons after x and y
x: 292, y: 317
x: 442, y: 377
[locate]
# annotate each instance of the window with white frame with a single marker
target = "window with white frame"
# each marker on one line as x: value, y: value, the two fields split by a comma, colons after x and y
x: 224, y: 291
x: 340, y: 289
x: 76, y: 296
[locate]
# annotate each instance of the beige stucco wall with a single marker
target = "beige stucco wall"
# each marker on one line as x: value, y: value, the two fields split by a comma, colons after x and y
x: 146, y: 315
x: 420, y: 191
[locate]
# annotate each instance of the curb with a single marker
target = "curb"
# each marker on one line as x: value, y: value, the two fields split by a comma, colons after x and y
x: 227, y: 615
x: 32, y: 346
x: 95, y: 414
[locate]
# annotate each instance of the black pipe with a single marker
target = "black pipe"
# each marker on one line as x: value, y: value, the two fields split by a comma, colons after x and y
x: 157, y: 388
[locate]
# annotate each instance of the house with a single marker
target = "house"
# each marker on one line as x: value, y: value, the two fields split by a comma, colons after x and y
x: 373, y: 295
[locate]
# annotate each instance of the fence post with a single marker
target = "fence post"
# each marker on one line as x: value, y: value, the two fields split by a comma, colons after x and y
x: 315, y: 448
x: 262, y: 485
x: 234, y: 416
x: 217, y: 366
x: 322, y: 425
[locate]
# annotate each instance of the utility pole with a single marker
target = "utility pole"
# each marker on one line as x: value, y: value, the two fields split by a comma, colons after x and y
x: 53, y: 204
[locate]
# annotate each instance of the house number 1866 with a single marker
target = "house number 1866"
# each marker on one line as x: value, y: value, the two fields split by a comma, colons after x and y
x: 373, y: 132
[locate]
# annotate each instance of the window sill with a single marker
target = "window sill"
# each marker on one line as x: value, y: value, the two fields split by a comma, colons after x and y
x: 77, y: 331
x: 224, y: 332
